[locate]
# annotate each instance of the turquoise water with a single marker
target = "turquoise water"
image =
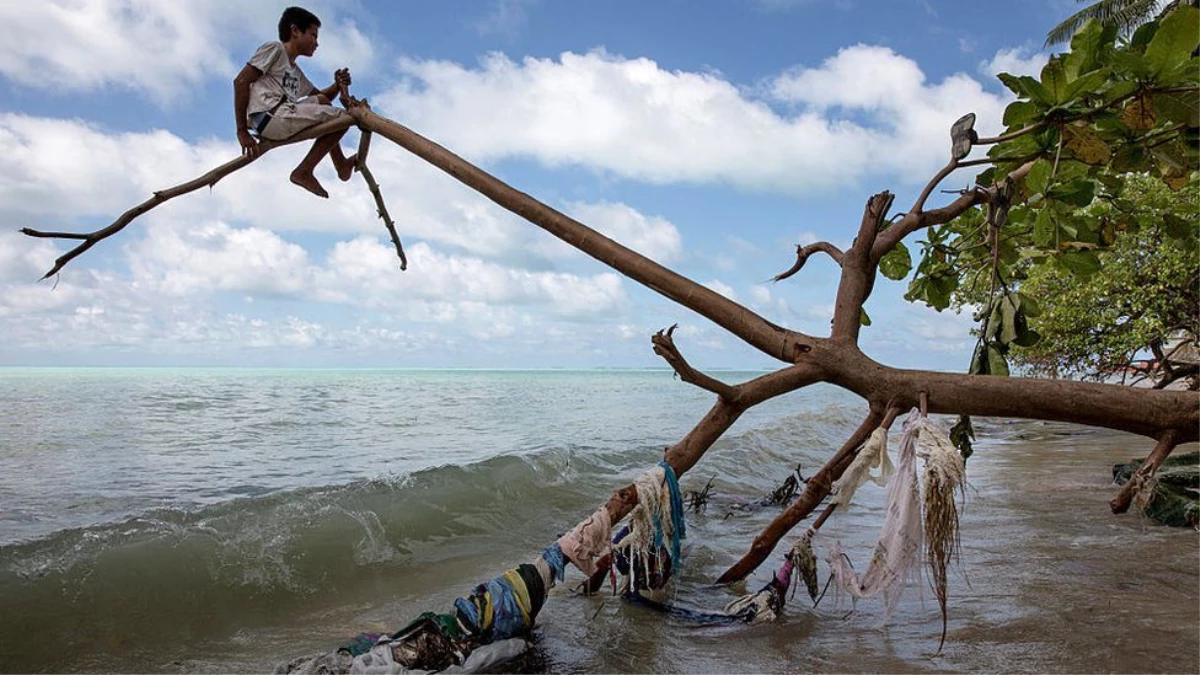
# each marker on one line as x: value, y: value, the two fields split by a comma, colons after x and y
x: 206, y: 520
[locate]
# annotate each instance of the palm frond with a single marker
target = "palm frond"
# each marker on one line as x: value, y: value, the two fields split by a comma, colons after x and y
x: 1126, y: 15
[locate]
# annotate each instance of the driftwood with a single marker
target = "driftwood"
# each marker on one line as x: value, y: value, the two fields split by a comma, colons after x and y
x: 1170, y: 417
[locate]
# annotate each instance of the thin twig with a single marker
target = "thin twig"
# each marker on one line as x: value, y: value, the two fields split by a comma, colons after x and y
x: 364, y: 146
x: 933, y: 183
x: 802, y: 253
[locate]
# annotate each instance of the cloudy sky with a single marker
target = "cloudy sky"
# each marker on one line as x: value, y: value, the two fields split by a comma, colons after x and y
x: 710, y: 135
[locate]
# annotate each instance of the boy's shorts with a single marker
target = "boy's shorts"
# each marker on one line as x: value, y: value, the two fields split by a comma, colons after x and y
x: 290, y: 119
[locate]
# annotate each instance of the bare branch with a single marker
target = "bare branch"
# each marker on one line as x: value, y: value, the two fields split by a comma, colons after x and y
x: 802, y: 253
x: 364, y: 146
x: 209, y: 179
x: 664, y: 346
x: 1166, y: 443
x: 933, y: 183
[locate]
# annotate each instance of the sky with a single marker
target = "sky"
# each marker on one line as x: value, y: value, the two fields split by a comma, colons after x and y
x: 711, y: 136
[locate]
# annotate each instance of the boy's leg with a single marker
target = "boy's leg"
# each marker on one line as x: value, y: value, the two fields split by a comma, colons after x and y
x: 345, y: 165
x: 303, y: 176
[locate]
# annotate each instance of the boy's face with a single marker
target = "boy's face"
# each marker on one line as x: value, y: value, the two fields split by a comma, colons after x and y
x: 306, y: 41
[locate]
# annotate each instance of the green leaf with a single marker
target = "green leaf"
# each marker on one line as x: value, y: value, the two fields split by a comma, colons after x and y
x: 1043, y: 229
x: 1028, y: 87
x: 1086, y: 85
x: 1143, y: 35
x: 1028, y: 339
x: 1179, y: 108
x: 997, y: 364
x: 1029, y: 306
x: 1134, y: 64
x: 863, y: 318
x: 1129, y: 158
x: 1178, y: 228
x: 1008, y: 320
x: 1087, y: 45
x: 1177, y: 36
x: 1038, y: 178
x: 1078, y: 192
x: 979, y: 363
x: 1020, y: 113
x: 1054, y: 79
x: 896, y: 263
x: 1080, y: 263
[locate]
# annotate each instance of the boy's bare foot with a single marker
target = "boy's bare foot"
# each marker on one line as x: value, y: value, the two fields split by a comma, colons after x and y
x: 346, y: 169
x: 309, y: 182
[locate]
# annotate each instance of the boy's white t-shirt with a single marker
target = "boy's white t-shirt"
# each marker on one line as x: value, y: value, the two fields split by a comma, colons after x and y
x: 280, y: 77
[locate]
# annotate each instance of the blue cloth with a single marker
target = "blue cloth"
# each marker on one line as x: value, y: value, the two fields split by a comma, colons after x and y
x: 678, y: 524
x: 553, y: 555
x: 506, y: 618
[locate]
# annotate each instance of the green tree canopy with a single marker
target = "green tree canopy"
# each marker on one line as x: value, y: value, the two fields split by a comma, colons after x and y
x: 1144, y: 301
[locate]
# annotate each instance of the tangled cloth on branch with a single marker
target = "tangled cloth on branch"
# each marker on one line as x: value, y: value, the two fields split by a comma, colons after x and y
x: 873, y: 455
x: 487, y: 627
x: 944, y: 472
x: 587, y: 541
x: 653, y: 541
x: 897, y: 552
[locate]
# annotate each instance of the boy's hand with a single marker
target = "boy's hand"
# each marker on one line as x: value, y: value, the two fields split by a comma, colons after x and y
x: 249, y: 145
x: 341, y: 77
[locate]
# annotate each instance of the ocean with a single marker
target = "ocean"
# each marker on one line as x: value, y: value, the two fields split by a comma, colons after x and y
x: 228, y: 520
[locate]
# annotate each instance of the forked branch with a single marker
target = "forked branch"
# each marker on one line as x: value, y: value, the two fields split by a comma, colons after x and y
x: 209, y: 179
x: 664, y: 346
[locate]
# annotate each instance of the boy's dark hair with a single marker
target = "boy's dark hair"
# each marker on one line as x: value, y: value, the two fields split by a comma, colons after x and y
x: 299, y: 17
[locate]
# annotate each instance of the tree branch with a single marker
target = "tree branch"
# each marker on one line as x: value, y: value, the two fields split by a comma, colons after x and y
x: 773, y: 340
x: 364, y: 146
x: 802, y: 253
x: 911, y: 222
x: 919, y: 205
x: 664, y: 346
x: 858, y: 270
x: 1166, y: 443
x: 209, y: 179
x: 815, y: 490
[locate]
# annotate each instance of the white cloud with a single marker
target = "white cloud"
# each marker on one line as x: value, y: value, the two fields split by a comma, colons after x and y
x: 161, y: 49
x: 909, y: 130
x: 645, y: 123
x: 212, y: 256
x: 1015, y: 61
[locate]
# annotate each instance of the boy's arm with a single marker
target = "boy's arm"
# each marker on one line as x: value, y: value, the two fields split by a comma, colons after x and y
x: 340, y: 77
x: 241, y: 101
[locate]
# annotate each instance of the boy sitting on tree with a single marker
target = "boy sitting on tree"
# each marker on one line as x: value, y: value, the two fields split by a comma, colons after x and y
x: 273, y: 97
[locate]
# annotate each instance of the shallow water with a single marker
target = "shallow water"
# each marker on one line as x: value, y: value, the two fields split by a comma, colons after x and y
x: 218, y: 521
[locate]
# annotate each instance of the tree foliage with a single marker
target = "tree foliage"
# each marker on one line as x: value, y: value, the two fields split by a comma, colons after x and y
x: 1083, y: 141
x: 1099, y: 114
x: 1145, y: 300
